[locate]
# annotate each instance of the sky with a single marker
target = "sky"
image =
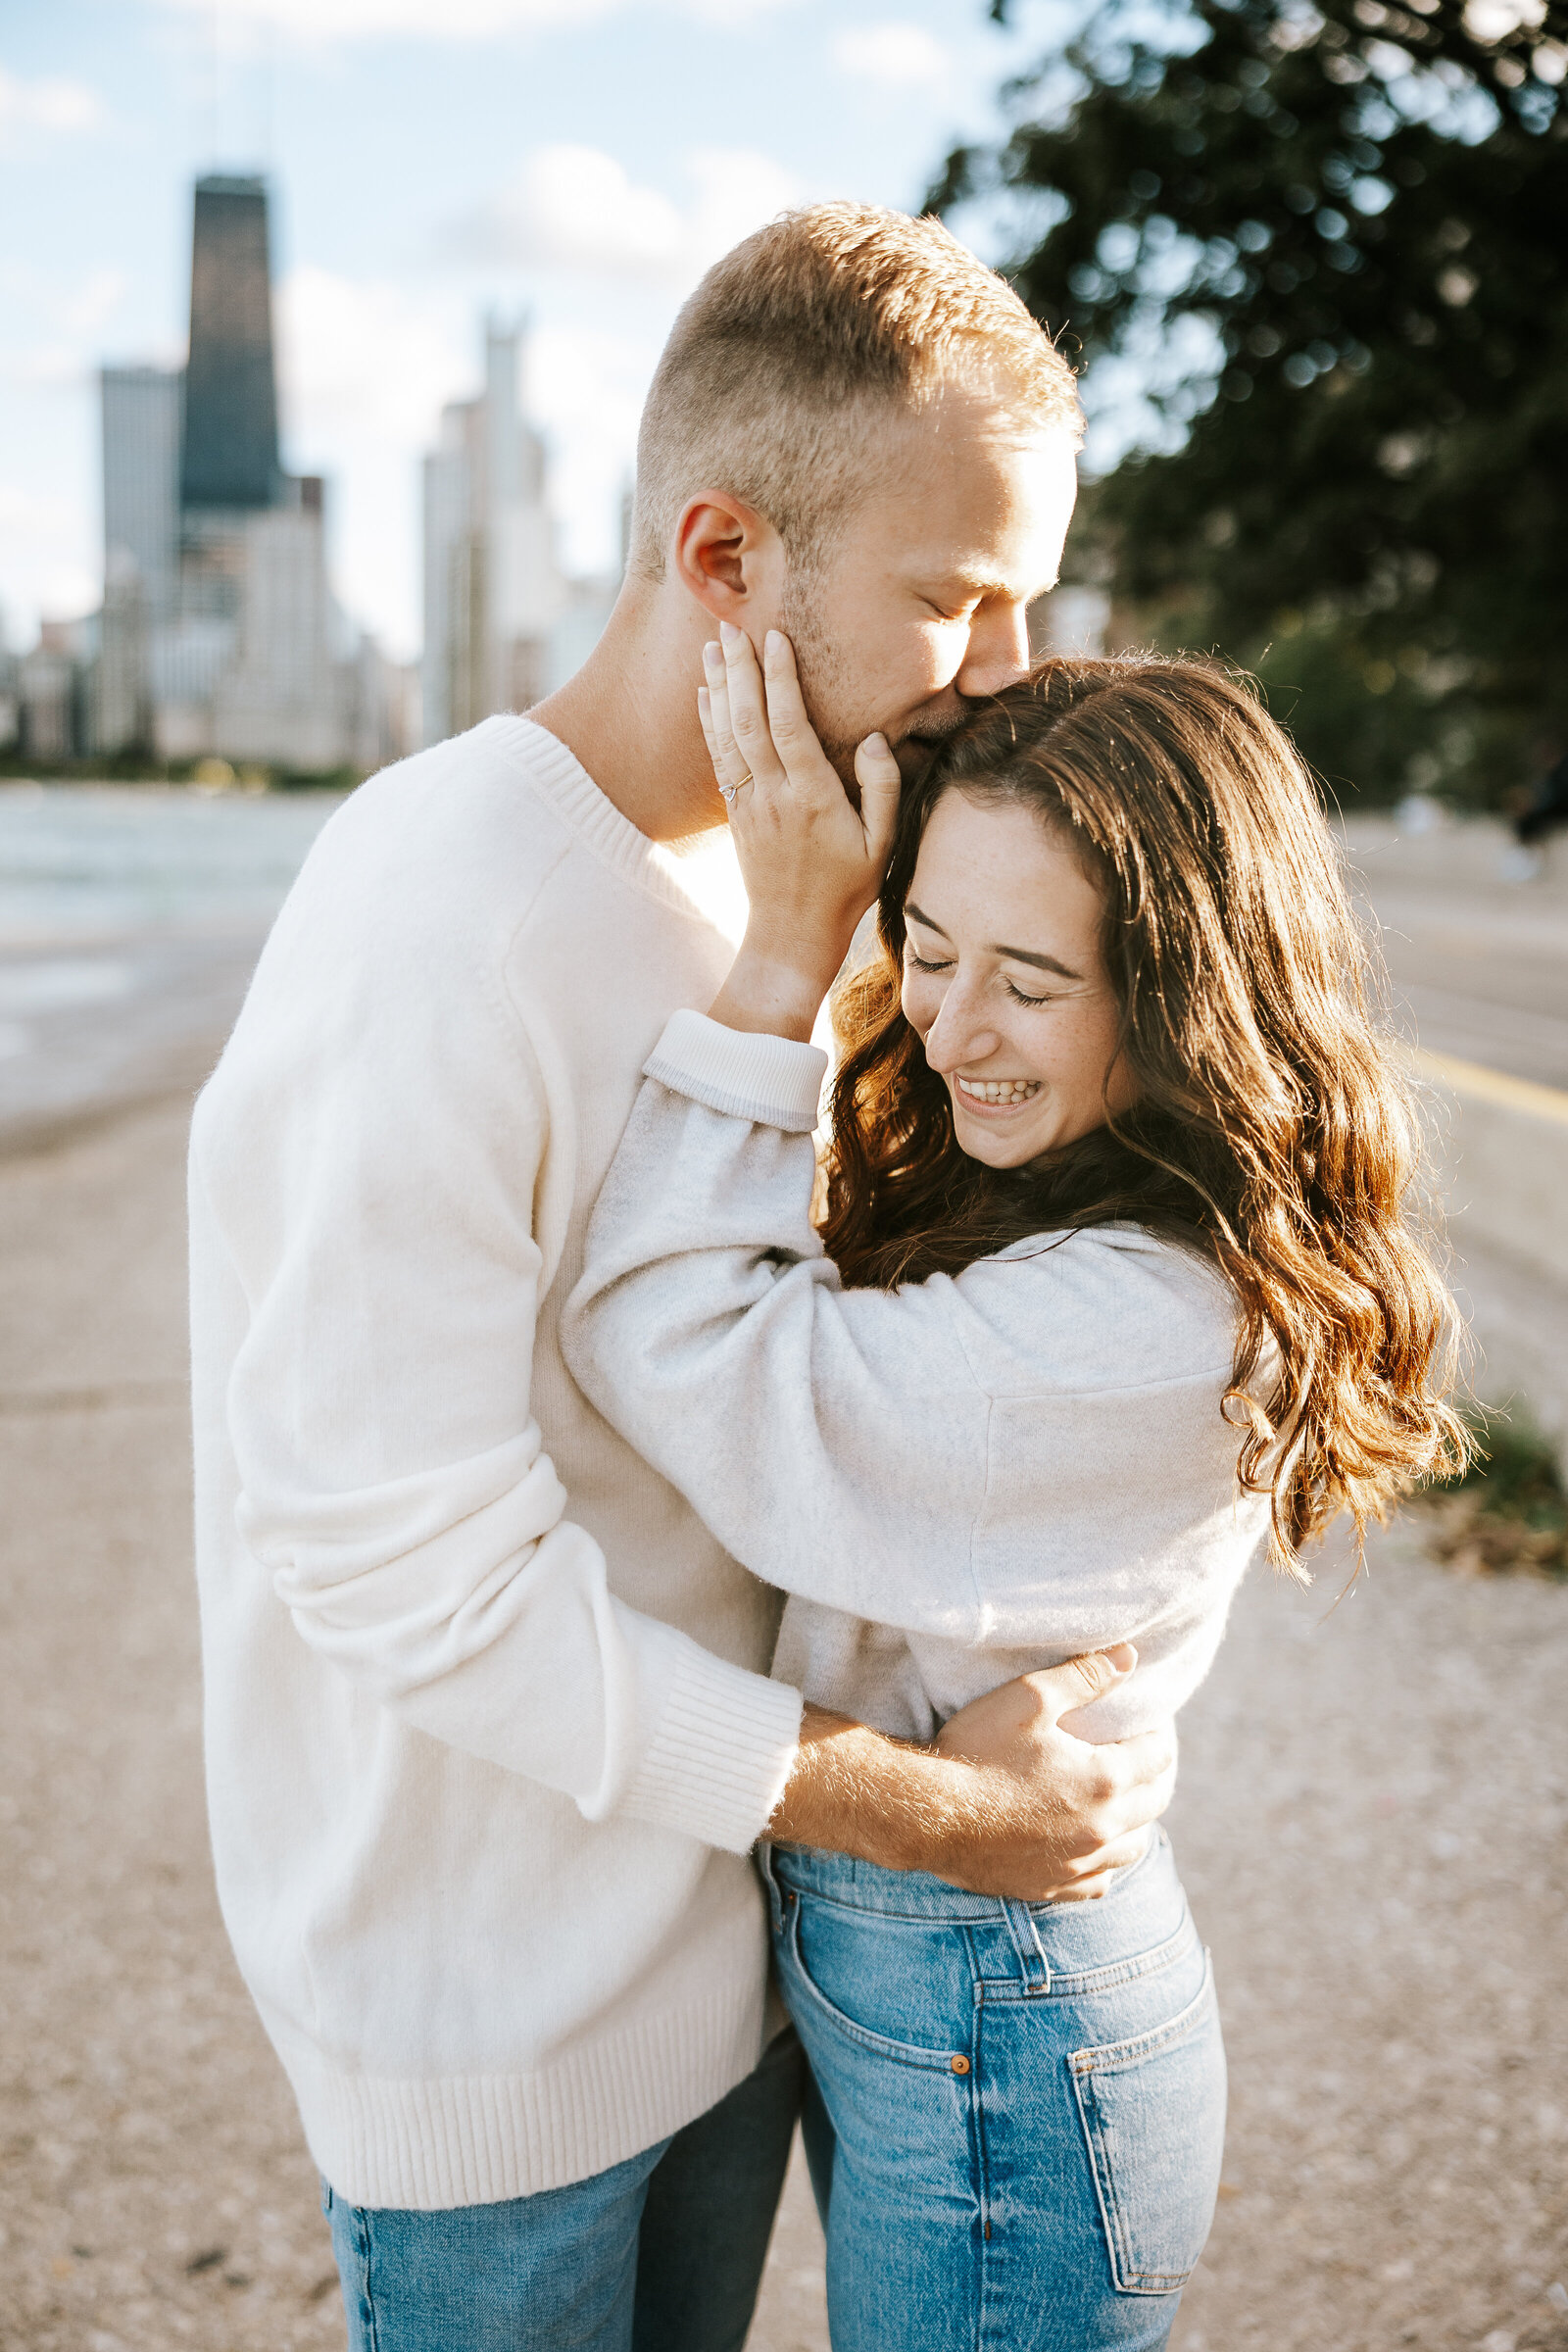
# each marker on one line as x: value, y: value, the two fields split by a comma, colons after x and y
x: 576, y: 162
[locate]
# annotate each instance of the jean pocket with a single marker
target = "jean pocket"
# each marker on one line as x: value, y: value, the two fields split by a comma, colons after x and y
x: 859, y: 1960
x: 1154, y: 2117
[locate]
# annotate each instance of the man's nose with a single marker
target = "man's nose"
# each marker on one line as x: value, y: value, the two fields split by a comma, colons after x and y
x: 997, y: 653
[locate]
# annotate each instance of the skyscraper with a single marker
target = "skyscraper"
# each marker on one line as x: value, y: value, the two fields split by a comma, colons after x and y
x: 142, y: 482
x: 494, y: 595
x: 141, y: 419
x: 220, y: 632
x: 229, y: 453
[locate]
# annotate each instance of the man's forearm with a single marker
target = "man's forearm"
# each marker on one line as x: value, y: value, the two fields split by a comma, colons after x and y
x: 1003, y: 1803
x: 853, y: 1791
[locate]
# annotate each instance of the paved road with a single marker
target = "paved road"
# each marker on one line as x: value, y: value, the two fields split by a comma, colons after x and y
x: 1479, y: 963
x: 89, y: 1025
x: 1371, y: 1825
x: 1371, y: 1821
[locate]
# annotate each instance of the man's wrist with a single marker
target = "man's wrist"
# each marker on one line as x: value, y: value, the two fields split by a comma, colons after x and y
x: 853, y: 1791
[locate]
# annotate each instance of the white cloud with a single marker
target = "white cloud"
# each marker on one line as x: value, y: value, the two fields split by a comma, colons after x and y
x: 364, y: 369
x: 51, y: 104
x: 576, y: 208
x: 735, y: 190
x: 363, y: 356
x: 96, y: 299
x: 45, y: 562
x: 69, y: 316
x: 317, y: 23
x: 899, y: 57
x: 44, y: 367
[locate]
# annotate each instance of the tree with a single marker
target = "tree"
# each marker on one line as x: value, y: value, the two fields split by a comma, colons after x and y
x: 1355, y: 214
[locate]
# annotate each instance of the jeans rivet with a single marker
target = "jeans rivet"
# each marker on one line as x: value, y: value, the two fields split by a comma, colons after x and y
x: 959, y: 2065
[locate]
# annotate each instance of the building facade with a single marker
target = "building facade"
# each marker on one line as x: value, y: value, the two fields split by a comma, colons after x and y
x: 503, y: 625
x: 219, y: 632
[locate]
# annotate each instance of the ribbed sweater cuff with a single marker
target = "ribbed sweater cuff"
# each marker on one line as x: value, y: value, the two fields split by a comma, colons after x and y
x: 772, y: 1080
x: 723, y: 1746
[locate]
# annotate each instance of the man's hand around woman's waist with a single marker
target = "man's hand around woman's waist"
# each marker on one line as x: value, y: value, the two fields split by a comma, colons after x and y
x: 1002, y: 1802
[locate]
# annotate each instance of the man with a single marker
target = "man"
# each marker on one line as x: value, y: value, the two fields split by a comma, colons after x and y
x: 490, y: 1729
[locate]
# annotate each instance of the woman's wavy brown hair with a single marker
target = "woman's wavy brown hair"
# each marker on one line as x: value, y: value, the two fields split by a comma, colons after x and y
x: 1272, y: 1131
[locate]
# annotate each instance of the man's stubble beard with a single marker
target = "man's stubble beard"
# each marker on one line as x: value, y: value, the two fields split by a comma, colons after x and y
x: 823, y: 672
x: 828, y: 686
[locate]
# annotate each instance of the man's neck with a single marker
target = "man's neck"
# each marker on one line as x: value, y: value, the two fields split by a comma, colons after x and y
x: 630, y: 717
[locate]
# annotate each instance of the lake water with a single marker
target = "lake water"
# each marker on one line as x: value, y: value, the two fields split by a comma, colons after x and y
x: 129, y: 920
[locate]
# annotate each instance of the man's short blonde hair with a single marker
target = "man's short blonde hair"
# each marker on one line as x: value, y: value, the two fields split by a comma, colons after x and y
x: 767, y: 381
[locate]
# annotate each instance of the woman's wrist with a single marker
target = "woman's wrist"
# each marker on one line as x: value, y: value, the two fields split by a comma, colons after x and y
x: 775, y: 989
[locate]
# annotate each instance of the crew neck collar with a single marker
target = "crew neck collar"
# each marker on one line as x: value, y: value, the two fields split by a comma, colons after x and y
x: 560, y: 777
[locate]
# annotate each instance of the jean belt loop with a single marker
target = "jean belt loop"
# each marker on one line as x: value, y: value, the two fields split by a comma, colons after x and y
x: 1032, y: 1961
x: 775, y: 1901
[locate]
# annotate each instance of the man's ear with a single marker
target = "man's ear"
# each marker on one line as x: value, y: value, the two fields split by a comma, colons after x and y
x: 729, y: 558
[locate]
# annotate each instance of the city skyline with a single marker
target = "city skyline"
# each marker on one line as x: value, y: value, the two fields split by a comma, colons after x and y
x: 433, y: 165
x: 504, y: 624
x: 219, y: 632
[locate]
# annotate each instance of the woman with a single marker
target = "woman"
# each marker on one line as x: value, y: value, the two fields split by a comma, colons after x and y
x: 1113, y: 1282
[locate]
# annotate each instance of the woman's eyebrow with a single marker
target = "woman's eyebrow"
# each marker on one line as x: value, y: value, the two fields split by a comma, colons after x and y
x: 1043, y: 963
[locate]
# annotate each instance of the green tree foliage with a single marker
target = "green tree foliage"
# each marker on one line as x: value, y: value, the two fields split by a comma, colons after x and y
x: 1367, y: 207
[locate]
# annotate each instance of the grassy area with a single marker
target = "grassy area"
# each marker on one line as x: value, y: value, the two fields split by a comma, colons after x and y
x: 1509, y: 1513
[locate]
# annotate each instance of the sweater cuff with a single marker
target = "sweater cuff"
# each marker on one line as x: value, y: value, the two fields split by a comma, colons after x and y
x: 771, y: 1080
x: 722, y: 1748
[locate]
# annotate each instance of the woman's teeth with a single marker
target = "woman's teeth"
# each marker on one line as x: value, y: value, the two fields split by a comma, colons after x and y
x: 998, y: 1090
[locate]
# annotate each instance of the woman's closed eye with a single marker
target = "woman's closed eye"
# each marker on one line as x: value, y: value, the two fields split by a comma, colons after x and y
x: 944, y: 963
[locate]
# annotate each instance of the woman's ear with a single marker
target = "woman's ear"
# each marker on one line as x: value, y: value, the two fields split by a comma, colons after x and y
x: 730, y: 559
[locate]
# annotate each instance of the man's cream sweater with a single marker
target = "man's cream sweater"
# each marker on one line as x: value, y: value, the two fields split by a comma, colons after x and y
x: 489, y: 1729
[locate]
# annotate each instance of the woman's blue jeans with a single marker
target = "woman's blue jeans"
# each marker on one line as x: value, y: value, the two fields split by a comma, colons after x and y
x: 1027, y: 2104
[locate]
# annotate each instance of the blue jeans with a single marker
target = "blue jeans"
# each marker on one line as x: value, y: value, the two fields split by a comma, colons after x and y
x: 1027, y: 2104
x: 662, y: 2253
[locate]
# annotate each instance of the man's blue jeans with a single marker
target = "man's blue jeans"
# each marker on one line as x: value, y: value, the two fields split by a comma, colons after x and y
x: 662, y: 2253
x: 1027, y: 2102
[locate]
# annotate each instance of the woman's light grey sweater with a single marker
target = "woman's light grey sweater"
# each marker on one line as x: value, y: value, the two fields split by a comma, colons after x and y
x: 956, y: 1482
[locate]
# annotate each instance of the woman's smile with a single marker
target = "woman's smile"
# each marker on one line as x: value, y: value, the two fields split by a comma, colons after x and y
x: 991, y: 1095
x: 1022, y: 1035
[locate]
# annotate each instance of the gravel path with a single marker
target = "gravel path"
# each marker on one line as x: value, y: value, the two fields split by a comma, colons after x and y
x: 1371, y: 1825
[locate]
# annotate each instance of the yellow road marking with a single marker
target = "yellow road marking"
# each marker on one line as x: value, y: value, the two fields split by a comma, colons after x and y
x: 1549, y: 1103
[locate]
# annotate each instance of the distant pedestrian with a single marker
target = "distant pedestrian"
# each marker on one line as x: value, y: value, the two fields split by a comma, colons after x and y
x: 1548, y: 809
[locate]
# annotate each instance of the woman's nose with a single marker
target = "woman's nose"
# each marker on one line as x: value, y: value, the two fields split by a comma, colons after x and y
x: 959, y: 1036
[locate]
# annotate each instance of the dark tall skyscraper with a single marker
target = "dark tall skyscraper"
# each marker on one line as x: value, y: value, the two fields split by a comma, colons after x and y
x: 220, y: 633
x: 228, y: 456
